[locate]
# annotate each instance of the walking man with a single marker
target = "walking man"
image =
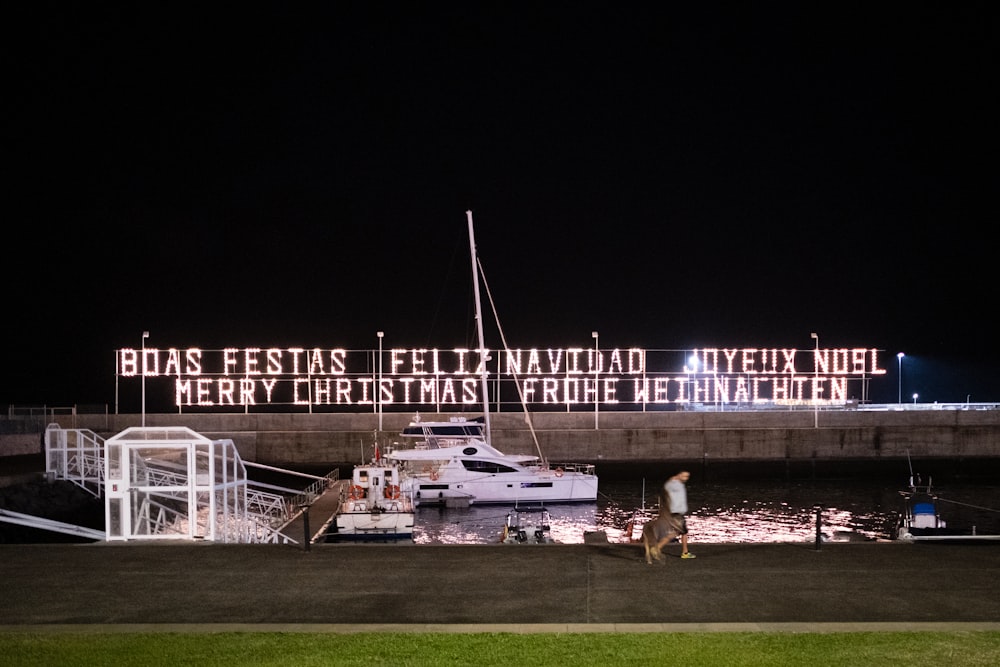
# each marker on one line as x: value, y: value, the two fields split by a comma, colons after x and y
x: 675, y: 494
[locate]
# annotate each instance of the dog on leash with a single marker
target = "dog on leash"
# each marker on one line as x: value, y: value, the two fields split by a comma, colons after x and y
x: 655, y: 535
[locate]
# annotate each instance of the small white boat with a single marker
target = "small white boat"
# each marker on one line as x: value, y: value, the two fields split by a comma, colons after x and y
x: 921, y: 519
x: 374, y: 506
x: 451, y: 464
x: 527, y: 526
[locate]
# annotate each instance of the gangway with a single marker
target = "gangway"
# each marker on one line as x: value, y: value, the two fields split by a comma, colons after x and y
x: 77, y: 456
x: 173, y: 483
x: 30, y: 521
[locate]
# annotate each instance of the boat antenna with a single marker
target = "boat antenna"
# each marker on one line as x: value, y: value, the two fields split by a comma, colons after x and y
x: 479, y: 328
x: 914, y: 479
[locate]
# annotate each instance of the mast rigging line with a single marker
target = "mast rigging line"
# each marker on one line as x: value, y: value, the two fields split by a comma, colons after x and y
x: 976, y: 507
x: 517, y: 383
x: 477, y: 272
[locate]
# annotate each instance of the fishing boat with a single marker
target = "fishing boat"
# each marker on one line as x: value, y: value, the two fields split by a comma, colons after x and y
x: 454, y: 463
x: 527, y: 526
x: 374, y: 506
x: 921, y: 520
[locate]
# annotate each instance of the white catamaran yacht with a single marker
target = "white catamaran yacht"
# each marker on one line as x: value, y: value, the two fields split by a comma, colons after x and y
x: 454, y: 462
x: 451, y: 462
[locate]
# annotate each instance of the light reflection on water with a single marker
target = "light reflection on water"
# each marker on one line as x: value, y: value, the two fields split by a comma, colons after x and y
x: 724, y: 512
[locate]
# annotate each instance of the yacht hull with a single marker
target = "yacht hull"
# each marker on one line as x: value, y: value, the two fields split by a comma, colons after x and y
x: 502, y: 490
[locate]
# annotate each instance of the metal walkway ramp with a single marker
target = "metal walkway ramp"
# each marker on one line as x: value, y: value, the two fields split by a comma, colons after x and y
x: 173, y: 483
x: 311, y: 523
x: 30, y: 521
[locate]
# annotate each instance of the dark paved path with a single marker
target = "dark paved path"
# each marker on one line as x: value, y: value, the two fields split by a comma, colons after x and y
x: 587, y: 587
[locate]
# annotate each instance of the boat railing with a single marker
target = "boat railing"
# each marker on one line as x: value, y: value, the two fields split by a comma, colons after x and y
x: 918, y: 491
x: 272, y: 508
x: 401, y: 504
x: 314, y: 490
x: 582, y: 468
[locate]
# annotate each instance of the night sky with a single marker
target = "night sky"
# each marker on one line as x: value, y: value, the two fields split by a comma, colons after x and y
x: 670, y: 178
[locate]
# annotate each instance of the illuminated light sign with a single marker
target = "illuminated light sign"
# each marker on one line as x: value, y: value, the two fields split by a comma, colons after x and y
x: 420, y: 377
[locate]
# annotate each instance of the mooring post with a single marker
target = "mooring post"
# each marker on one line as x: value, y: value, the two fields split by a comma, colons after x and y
x: 305, y: 523
x: 819, y: 526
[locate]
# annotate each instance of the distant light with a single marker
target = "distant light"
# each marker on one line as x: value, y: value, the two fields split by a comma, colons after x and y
x: 900, y: 355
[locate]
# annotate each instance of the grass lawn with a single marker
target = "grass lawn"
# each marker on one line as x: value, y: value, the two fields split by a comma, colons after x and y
x: 689, y: 649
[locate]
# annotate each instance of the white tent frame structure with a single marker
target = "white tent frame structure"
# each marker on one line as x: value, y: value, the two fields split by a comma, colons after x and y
x: 173, y: 483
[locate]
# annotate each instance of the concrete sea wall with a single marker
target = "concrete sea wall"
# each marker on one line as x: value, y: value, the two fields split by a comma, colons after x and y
x: 780, y: 437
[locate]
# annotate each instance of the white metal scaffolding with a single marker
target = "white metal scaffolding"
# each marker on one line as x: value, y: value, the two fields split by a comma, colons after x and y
x: 173, y: 483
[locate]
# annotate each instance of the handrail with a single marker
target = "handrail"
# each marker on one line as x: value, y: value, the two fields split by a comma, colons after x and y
x: 78, y: 455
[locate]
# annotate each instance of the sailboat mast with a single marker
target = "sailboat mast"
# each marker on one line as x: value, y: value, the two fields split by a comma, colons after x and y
x: 479, y: 327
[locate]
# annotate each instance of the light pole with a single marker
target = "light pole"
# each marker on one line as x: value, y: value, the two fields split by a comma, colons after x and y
x: 899, y: 391
x: 597, y: 364
x: 142, y: 369
x: 815, y: 337
x: 378, y: 389
x: 915, y: 399
x: 693, y: 360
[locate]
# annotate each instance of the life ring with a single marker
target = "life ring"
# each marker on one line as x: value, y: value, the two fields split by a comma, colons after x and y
x: 559, y: 472
x: 392, y: 492
x: 357, y: 492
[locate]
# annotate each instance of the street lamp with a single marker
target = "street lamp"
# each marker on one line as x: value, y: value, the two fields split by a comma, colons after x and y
x: 597, y: 363
x: 378, y: 389
x: 899, y: 391
x: 690, y: 366
x: 142, y: 369
x: 815, y: 337
x: 693, y: 369
x: 915, y: 399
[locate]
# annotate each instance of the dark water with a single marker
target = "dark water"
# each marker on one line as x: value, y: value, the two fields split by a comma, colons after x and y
x: 729, y: 511
x: 751, y: 504
x: 57, y: 501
